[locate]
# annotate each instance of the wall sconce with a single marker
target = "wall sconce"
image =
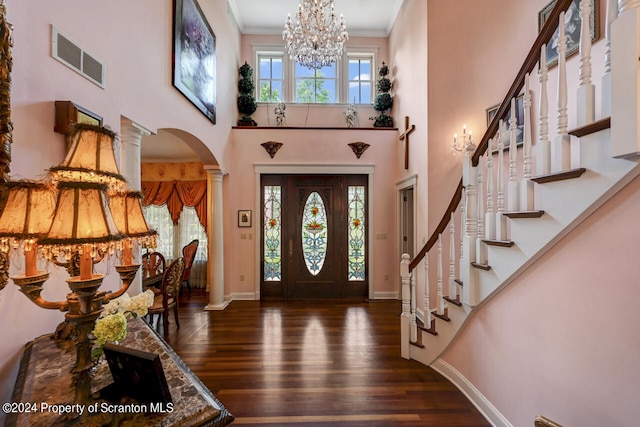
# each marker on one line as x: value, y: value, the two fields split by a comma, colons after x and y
x: 463, y: 144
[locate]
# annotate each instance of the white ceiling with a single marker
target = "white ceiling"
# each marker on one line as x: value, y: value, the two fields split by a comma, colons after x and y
x: 364, y: 18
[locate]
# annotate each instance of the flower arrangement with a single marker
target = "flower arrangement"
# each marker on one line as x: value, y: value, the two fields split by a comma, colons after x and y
x: 314, y: 226
x: 112, y: 324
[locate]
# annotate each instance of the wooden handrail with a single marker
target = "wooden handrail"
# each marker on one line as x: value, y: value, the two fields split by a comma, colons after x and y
x: 527, y: 66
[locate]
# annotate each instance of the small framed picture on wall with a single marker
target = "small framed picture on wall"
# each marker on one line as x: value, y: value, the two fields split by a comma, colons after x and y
x: 244, y: 218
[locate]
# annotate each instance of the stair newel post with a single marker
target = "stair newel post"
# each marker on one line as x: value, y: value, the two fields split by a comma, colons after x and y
x: 612, y: 14
x: 453, y: 286
x: 514, y: 198
x: 501, y: 220
x: 586, y: 89
x: 469, y: 182
x: 442, y: 303
x: 625, y: 80
x: 428, y: 317
x: 405, y: 317
x: 562, y: 147
x: 463, y: 227
x: 490, y: 216
x: 526, y: 189
x: 544, y: 147
x: 481, y: 247
x: 414, y: 295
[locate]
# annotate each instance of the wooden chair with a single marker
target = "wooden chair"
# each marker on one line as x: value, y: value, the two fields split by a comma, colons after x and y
x: 153, y: 265
x: 168, y: 296
x: 189, y: 254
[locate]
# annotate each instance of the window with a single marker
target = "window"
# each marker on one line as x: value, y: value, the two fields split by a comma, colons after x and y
x: 172, y: 239
x: 360, y: 79
x: 272, y: 233
x: 350, y: 80
x: 271, y: 78
x: 316, y: 86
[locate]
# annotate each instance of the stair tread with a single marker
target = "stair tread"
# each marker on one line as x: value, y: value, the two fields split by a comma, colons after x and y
x: 503, y: 243
x: 454, y: 301
x: 559, y: 176
x: 523, y: 214
x: 484, y: 267
x: 442, y: 317
x: 590, y: 128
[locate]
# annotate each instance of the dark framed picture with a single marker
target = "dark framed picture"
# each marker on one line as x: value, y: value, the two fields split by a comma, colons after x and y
x: 572, y: 29
x: 244, y: 218
x: 493, y: 110
x: 194, y: 57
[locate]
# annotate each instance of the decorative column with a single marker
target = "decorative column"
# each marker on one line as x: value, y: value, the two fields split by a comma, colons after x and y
x: 215, y: 236
x: 131, y: 135
x: 625, y: 80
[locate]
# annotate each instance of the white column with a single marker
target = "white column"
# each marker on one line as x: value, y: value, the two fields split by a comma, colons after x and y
x: 215, y: 236
x: 468, y: 275
x: 130, y: 142
x: 501, y: 220
x: 543, y: 146
x: 428, y: 316
x: 625, y: 80
x: 586, y: 90
x: 481, y: 247
x: 453, y: 286
x: 514, y: 185
x: 131, y: 135
x: 442, y: 304
x: 526, y: 185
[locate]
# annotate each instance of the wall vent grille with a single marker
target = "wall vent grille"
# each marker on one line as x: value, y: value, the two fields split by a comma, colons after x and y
x: 76, y: 58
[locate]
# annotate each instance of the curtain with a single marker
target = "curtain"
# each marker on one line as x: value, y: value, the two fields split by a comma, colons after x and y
x: 173, y: 237
x: 175, y: 195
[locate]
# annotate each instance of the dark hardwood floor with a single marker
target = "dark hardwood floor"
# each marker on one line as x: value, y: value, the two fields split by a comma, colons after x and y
x: 314, y: 364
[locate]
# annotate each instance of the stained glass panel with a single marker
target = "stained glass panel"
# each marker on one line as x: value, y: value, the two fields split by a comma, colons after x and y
x: 272, y: 233
x: 314, y: 233
x: 356, y: 233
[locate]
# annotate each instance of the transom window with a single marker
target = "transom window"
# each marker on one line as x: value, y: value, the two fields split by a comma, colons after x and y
x: 350, y: 80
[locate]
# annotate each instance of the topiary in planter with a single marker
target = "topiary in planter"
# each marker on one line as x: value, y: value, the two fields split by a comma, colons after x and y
x: 247, y: 104
x: 383, y: 100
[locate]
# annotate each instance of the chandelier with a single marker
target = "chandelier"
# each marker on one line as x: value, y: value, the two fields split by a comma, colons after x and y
x: 317, y: 39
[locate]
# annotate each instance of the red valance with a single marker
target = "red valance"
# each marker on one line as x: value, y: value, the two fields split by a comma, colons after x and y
x: 176, y: 194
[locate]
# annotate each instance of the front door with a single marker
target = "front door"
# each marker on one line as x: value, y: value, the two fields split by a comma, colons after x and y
x: 314, y: 237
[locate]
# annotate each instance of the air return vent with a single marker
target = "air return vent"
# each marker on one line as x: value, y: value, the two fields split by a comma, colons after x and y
x: 76, y: 58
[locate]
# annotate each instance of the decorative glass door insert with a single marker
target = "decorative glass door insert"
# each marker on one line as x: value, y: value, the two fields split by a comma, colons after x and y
x: 314, y: 233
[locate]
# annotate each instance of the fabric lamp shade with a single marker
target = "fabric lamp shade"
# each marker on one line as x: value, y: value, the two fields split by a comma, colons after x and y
x: 82, y: 216
x: 91, y: 158
x: 28, y: 211
x: 127, y: 214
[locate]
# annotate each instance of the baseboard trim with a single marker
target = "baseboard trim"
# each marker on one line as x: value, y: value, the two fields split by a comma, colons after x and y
x: 473, y: 394
x: 385, y: 295
x: 241, y: 296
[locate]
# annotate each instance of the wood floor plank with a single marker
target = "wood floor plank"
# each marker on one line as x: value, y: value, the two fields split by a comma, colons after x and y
x: 314, y: 364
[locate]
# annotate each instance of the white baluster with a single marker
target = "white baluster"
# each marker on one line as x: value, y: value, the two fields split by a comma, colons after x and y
x: 463, y: 228
x: 468, y: 274
x: 544, y: 146
x: 442, y: 303
x: 514, y: 198
x: 481, y: 247
x: 428, y: 317
x: 501, y: 220
x: 490, y: 217
x: 405, y: 317
x: 586, y: 90
x: 612, y: 14
x: 414, y: 323
x: 526, y: 189
x: 562, y: 147
x: 453, y: 286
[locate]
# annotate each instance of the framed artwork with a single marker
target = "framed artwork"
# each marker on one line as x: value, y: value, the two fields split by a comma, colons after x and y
x: 244, y: 218
x: 194, y: 57
x: 572, y: 29
x: 493, y: 110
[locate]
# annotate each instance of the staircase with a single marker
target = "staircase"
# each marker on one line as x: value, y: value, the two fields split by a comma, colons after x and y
x: 503, y: 217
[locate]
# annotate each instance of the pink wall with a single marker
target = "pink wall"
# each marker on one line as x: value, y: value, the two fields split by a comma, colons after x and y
x: 562, y: 339
x: 134, y: 41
